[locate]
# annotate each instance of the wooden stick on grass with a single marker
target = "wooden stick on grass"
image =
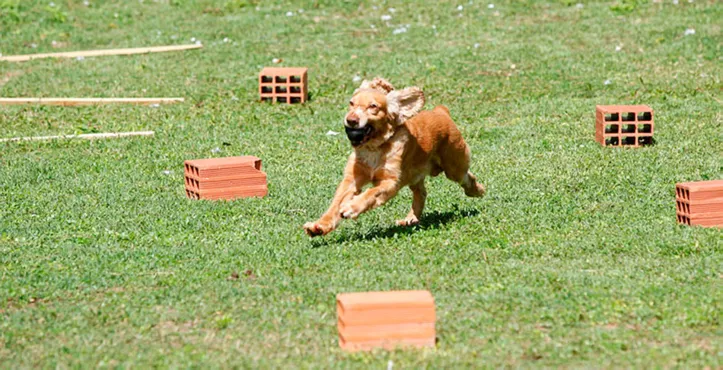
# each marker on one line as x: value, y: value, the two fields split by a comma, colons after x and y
x: 107, y: 135
x: 97, y: 53
x: 88, y: 101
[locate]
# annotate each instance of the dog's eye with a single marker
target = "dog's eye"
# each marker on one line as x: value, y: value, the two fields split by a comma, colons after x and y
x: 351, y: 103
x: 373, y: 106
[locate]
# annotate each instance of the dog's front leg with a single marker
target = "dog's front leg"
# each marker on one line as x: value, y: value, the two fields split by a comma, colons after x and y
x: 370, y: 199
x: 355, y: 177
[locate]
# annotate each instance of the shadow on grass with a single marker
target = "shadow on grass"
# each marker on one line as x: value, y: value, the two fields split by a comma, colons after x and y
x: 431, y: 220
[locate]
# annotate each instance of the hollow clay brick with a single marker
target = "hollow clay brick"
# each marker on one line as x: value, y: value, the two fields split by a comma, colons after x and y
x: 246, y: 179
x: 214, y: 167
x: 704, y: 220
x: 631, y: 125
x: 228, y: 193
x: 284, y: 85
x: 385, y: 319
x: 699, y: 190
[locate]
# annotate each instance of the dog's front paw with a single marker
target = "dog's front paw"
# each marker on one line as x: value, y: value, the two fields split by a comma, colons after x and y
x: 317, y: 228
x: 349, y: 210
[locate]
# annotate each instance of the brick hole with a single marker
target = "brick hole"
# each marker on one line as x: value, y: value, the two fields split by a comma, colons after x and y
x: 267, y: 79
x: 629, y: 140
x: 645, y: 128
x: 628, y: 128
x: 280, y: 79
x: 628, y: 117
x: 281, y: 89
x: 677, y: 192
x: 679, y: 206
x: 295, y: 99
x: 612, y: 117
x: 645, y: 116
x: 687, y: 194
x: 612, y: 141
x: 612, y: 129
x: 186, y: 167
x: 680, y: 218
x: 281, y: 99
x: 687, y: 208
x: 267, y: 89
x: 296, y: 79
x: 645, y: 140
x: 295, y: 89
x: 188, y: 181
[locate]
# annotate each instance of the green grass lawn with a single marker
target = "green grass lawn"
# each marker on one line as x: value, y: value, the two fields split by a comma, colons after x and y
x: 573, y: 259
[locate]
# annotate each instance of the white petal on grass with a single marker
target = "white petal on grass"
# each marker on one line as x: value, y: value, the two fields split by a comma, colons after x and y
x: 154, y: 105
x: 392, y: 10
x: 460, y: 8
x: 400, y: 30
x: 216, y: 150
x: 289, y: 14
x: 607, y: 82
x: 331, y: 133
x: 618, y: 48
x: 386, y: 17
x: 491, y: 6
x: 356, y: 78
x: 80, y: 58
x: 51, y: 4
x: 476, y: 45
x: 689, y: 32
x: 226, y: 39
x: 166, y: 172
x: 193, y: 39
x: 580, y: 5
x: 276, y: 60
x: 86, y: 3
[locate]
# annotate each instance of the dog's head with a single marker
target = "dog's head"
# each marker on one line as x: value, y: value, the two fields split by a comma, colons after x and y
x: 376, y: 110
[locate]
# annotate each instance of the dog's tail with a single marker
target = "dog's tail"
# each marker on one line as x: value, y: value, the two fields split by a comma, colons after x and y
x: 441, y: 109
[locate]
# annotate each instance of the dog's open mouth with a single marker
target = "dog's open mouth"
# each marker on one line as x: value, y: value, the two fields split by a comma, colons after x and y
x: 358, y: 135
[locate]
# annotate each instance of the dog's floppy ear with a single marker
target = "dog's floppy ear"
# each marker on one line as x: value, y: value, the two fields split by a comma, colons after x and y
x: 378, y: 84
x: 406, y: 103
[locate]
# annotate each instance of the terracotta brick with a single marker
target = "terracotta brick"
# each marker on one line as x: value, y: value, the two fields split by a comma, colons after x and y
x: 215, y: 167
x: 228, y: 193
x: 284, y: 85
x: 699, y: 190
x: 245, y: 179
x: 699, y: 207
x: 704, y: 219
x: 624, y: 125
x: 385, y: 319
x: 385, y: 344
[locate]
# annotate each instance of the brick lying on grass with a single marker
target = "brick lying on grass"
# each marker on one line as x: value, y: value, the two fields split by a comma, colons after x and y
x: 700, y: 203
x: 283, y: 85
x: 624, y: 125
x: 385, y: 320
x: 225, y: 178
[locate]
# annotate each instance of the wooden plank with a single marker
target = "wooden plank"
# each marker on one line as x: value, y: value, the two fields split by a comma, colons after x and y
x: 97, y: 53
x: 88, y: 101
x: 106, y: 135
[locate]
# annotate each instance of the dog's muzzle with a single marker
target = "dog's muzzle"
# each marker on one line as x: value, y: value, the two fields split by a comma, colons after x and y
x: 357, y: 135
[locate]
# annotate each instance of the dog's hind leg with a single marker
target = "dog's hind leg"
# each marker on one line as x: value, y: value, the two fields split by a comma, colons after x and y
x: 419, y: 195
x: 455, y: 162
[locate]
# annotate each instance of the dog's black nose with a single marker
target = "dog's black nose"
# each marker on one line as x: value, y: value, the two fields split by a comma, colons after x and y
x: 352, y: 122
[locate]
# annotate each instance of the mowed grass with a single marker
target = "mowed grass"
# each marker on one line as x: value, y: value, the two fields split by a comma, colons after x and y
x: 573, y: 259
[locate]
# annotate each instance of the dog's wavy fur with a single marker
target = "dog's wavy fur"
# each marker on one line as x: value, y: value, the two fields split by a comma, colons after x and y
x: 403, y: 147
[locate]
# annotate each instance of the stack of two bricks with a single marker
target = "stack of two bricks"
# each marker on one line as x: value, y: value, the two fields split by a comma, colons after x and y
x: 225, y: 178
